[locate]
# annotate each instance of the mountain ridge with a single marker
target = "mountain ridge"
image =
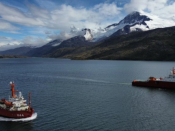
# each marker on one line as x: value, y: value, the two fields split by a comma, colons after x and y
x: 86, y: 39
x: 157, y: 44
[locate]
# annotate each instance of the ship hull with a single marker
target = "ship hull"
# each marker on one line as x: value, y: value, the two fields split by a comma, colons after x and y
x: 157, y: 84
x: 16, y: 114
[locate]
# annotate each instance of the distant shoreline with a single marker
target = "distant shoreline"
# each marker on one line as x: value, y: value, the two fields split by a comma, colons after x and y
x: 82, y: 59
x: 12, y: 56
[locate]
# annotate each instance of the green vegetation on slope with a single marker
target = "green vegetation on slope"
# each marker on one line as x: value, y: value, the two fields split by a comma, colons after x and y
x: 158, y: 44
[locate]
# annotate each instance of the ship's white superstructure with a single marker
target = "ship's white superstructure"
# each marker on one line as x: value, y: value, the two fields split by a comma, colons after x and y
x: 171, y: 77
x: 16, y: 106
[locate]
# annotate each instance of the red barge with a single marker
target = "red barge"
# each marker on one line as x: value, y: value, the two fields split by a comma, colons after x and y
x: 167, y: 82
x: 16, y: 106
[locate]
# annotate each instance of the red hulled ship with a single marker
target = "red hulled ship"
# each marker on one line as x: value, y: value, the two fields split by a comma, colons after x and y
x: 16, y: 106
x: 167, y: 82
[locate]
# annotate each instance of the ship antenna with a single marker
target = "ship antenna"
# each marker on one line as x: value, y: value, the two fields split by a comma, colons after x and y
x: 29, y: 101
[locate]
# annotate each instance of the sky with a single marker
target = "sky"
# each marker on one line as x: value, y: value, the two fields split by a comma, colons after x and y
x: 36, y: 22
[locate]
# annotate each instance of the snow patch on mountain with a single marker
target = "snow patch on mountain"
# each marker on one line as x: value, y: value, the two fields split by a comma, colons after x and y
x: 86, y: 33
x: 113, y: 29
x: 135, y: 20
x: 138, y: 27
x: 138, y: 21
x: 157, y: 22
x: 56, y: 44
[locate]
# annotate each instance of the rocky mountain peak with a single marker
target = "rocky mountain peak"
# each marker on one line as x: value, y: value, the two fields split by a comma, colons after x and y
x: 135, y: 17
x: 131, y: 19
x: 87, y: 34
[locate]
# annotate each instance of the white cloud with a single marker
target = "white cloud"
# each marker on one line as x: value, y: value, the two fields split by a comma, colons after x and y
x: 34, y: 41
x: 47, y: 4
x: 62, y: 17
x: 37, y: 12
x: 9, y: 43
x: 162, y: 8
x: 47, y: 32
x: 150, y: 5
x: 109, y: 10
x: 46, y: 20
x: 6, y: 26
x: 12, y: 14
x: 61, y: 36
x: 4, y: 38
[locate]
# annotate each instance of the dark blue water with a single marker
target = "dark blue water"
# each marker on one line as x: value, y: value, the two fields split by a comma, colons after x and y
x: 89, y: 95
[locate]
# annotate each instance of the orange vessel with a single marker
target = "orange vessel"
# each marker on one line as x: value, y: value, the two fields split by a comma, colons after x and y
x: 167, y: 82
x: 16, y: 106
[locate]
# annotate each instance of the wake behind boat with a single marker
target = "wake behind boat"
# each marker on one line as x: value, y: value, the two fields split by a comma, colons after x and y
x: 167, y: 82
x: 34, y: 116
x: 16, y: 106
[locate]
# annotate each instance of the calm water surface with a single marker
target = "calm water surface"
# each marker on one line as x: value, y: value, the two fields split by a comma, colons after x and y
x: 89, y: 95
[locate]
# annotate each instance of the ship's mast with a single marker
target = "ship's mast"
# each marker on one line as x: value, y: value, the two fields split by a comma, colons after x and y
x: 13, y: 89
x: 173, y: 71
x: 29, y: 101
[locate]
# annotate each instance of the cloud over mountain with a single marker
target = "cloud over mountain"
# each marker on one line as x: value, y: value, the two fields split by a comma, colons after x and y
x: 61, y: 18
x: 44, y: 20
x: 161, y: 8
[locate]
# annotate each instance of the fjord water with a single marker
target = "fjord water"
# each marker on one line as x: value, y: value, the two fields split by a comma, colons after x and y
x: 89, y: 95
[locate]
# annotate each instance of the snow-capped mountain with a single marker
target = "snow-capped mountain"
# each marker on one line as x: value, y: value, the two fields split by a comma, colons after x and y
x: 131, y: 19
x: 138, y: 21
x: 135, y: 21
